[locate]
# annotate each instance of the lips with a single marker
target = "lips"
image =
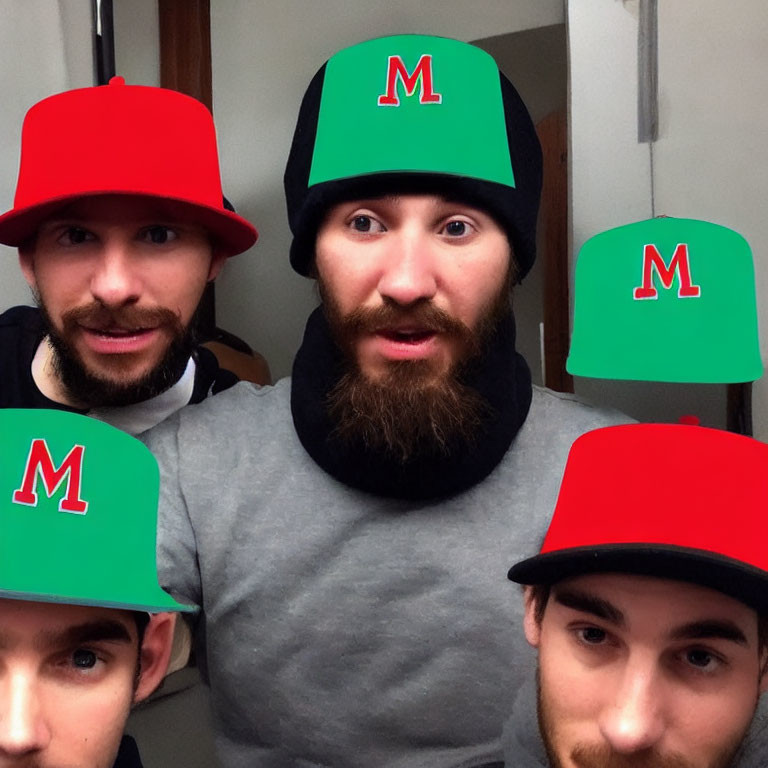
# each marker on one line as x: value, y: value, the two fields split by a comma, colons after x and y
x: 120, y: 331
x: 406, y: 335
x: 402, y: 343
x: 118, y: 340
x: 114, y: 332
x: 376, y: 336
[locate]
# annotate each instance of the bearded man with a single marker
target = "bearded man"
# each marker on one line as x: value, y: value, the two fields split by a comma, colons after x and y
x: 120, y: 224
x: 348, y: 541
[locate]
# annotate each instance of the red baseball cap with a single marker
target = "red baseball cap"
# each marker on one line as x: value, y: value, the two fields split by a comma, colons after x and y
x: 127, y: 140
x: 668, y: 500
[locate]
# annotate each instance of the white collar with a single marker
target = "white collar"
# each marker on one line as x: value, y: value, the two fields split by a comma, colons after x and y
x: 139, y: 417
x: 133, y: 419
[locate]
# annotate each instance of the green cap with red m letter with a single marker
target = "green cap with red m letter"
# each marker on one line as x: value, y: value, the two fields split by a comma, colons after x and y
x: 421, y: 85
x: 78, y: 513
x: 666, y: 300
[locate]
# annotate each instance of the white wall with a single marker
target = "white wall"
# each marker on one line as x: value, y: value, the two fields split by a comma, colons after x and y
x: 264, y: 55
x: 711, y: 159
x: 137, y: 41
x: 45, y: 48
x: 611, y: 171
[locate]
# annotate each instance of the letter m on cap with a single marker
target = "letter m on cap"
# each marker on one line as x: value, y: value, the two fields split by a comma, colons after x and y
x: 40, y: 464
x: 421, y: 74
x: 679, y: 265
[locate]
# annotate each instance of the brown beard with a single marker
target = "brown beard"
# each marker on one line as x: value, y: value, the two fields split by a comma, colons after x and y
x: 93, y: 390
x: 602, y: 756
x: 411, y: 409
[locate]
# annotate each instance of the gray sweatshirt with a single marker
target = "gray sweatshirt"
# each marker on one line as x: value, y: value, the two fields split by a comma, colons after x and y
x: 341, y: 628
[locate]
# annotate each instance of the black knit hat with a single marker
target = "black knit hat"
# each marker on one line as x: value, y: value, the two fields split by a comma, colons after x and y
x: 417, y: 114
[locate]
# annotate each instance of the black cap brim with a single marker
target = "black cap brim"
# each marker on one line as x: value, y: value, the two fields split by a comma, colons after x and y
x: 731, y: 577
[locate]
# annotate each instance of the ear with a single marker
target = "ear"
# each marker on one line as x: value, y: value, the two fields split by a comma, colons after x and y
x: 218, y: 257
x: 27, y: 267
x: 155, y: 653
x: 531, y: 624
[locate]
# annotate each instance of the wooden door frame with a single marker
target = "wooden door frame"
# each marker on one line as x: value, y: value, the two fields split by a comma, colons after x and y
x: 185, y: 66
x: 553, y: 249
x: 185, y: 47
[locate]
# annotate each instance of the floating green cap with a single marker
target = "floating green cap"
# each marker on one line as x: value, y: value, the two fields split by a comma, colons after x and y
x: 78, y: 513
x: 666, y: 300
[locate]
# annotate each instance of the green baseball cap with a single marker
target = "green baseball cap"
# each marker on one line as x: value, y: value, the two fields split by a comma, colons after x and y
x: 412, y: 85
x: 78, y: 513
x: 666, y: 299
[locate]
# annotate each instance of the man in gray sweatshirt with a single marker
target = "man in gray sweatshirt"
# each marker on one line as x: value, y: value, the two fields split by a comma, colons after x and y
x: 346, y: 532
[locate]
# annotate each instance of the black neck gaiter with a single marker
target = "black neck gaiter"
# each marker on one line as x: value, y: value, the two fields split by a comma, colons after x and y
x: 501, y: 376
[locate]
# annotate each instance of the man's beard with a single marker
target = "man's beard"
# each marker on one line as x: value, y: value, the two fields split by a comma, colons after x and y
x: 411, y: 409
x: 94, y: 390
x: 602, y: 756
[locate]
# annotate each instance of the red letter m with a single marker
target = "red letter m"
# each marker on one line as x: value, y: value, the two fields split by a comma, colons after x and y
x: 40, y: 459
x: 680, y: 264
x: 423, y: 70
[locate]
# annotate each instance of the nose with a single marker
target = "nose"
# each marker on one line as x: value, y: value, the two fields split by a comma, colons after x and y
x: 409, y: 274
x: 633, y: 719
x: 114, y: 281
x: 23, y: 728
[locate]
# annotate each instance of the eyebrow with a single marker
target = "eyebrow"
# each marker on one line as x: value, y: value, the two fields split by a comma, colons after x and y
x: 588, y: 603
x: 102, y: 630
x: 710, y: 629
x: 89, y: 632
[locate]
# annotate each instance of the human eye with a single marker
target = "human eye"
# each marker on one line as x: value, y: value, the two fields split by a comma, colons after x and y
x: 457, y: 228
x: 158, y: 234
x: 80, y: 663
x: 591, y: 635
x: 75, y: 236
x: 702, y: 659
x: 83, y: 658
x: 365, y: 224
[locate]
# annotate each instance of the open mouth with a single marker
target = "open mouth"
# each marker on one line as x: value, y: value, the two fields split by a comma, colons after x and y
x: 406, y: 335
x: 117, y: 333
x: 118, y: 340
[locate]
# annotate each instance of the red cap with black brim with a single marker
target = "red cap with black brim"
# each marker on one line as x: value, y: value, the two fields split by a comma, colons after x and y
x: 666, y: 500
x: 125, y: 140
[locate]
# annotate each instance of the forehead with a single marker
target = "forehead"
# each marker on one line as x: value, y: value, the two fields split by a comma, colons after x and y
x: 657, y: 604
x: 26, y: 622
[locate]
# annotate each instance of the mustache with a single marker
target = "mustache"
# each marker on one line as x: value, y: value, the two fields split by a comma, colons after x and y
x: 602, y: 756
x: 425, y: 316
x: 129, y: 317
